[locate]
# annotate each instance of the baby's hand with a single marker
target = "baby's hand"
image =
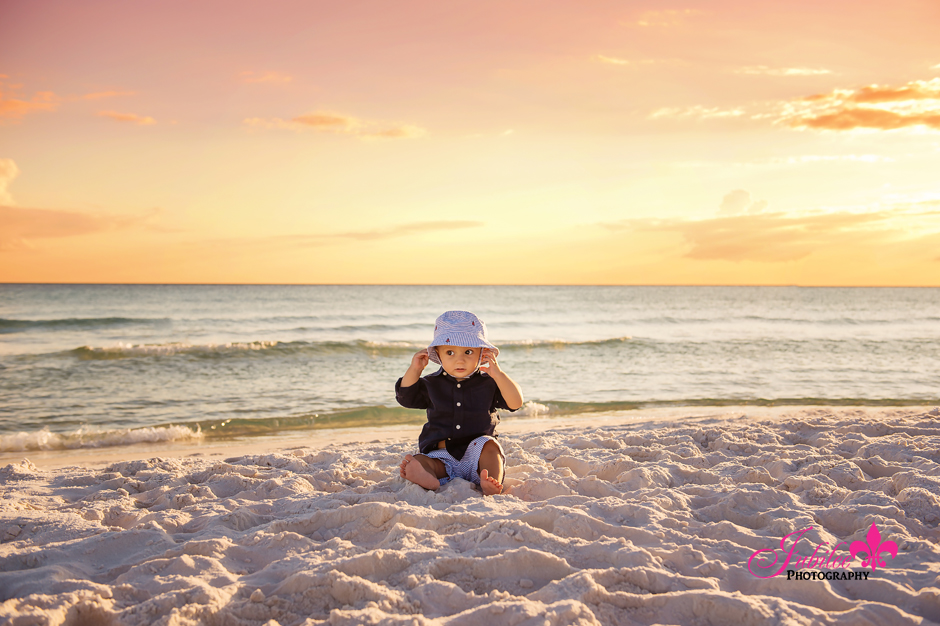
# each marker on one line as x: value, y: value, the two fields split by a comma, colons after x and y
x: 420, y: 360
x: 488, y: 361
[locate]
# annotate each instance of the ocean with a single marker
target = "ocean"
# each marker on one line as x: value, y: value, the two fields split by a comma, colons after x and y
x: 99, y: 365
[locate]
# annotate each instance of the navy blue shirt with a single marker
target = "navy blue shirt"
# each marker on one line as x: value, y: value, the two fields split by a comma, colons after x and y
x: 458, y: 411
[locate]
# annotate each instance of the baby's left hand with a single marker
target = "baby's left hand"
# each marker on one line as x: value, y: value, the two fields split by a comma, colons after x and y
x: 488, y: 361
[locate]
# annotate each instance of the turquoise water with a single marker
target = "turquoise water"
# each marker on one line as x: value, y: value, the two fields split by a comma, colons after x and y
x: 85, y: 365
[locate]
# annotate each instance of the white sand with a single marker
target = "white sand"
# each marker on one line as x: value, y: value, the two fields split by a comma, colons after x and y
x: 643, y: 522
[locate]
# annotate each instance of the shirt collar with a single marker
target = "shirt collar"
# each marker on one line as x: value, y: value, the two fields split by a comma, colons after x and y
x: 447, y: 376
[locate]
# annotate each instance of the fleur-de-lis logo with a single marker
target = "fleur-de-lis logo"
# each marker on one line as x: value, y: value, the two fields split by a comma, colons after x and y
x: 874, y: 548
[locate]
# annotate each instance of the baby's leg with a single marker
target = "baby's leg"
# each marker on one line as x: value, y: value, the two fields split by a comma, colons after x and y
x: 490, y: 465
x: 423, y: 470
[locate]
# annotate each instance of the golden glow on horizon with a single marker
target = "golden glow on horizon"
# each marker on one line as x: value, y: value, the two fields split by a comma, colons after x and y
x: 643, y: 145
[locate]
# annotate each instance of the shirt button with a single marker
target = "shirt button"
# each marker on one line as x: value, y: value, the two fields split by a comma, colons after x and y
x: 458, y: 426
x: 458, y: 385
x: 458, y: 404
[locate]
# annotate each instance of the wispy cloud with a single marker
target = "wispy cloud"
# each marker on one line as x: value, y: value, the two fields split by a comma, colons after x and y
x: 8, y: 171
x: 779, y: 237
x: 281, y: 242
x: 666, y: 18
x: 101, y: 95
x: 400, y: 230
x: 782, y: 71
x: 322, y: 121
x: 695, y: 112
x: 611, y: 60
x: 14, y: 107
x: 133, y: 118
x: 265, y: 77
x: 602, y: 58
x: 873, y: 107
x: 20, y: 225
x: 824, y: 158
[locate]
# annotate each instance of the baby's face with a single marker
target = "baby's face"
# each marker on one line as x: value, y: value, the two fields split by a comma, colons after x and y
x: 459, y: 361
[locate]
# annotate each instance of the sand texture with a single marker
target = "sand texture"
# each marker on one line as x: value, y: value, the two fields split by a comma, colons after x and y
x: 619, y: 524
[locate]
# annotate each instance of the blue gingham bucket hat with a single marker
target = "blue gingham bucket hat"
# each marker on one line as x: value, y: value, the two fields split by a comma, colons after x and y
x: 459, y: 328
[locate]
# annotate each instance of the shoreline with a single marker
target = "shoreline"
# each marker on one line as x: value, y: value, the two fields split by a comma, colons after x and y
x: 99, y: 457
x: 605, y: 519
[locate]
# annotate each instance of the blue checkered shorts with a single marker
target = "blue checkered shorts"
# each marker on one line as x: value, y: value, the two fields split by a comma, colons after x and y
x: 466, y: 467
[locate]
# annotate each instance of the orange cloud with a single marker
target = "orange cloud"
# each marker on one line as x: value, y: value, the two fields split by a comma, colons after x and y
x: 779, y: 238
x: 14, y: 108
x: 851, y: 118
x: 875, y: 107
x: 22, y: 225
x: 266, y: 77
x: 328, y: 121
x: 396, y: 132
x: 128, y: 117
x: 914, y: 90
x: 321, y: 121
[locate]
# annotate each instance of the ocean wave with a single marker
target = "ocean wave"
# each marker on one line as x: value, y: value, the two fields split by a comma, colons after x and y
x: 88, y: 438
x: 247, y: 348
x: 561, y: 343
x: 8, y: 326
x: 278, y: 348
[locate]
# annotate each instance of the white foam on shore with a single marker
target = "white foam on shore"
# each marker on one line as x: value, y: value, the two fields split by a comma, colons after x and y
x: 621, y: 524
x: 91, y: 438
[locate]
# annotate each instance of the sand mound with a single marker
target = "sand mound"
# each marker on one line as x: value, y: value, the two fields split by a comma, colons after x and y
x: 628, y: 524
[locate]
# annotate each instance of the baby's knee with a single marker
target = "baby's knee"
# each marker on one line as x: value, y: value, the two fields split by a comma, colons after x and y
x: 491, y: 449
x: 490, y: 446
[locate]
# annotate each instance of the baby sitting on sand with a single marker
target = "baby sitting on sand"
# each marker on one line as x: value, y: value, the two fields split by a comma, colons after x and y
x: 459, y: 440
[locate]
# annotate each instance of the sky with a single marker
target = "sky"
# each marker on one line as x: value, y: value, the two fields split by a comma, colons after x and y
x: 637, y: 142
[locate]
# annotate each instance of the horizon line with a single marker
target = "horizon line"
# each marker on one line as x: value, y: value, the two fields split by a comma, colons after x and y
x: 236, y: 284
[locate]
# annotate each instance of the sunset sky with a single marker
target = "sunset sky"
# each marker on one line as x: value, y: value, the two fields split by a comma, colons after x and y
x: 481, y: 142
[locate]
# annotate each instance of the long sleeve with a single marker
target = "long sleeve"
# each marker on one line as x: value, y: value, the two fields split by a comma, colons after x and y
x: 414, y: 396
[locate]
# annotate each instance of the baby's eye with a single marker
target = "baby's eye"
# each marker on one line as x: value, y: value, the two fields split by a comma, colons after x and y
x: 468, y: 351
x: 449, y: 352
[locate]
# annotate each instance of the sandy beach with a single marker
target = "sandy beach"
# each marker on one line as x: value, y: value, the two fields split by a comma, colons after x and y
x: 673, y: 518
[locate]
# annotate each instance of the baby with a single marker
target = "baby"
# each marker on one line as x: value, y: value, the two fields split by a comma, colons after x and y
x: 459, y: 440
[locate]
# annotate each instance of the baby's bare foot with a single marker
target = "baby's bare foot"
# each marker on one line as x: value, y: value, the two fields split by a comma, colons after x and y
x: 490, y: 486
x: 415, y: 472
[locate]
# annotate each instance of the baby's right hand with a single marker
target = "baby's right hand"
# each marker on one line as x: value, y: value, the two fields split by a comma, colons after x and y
x: 420, y: 360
